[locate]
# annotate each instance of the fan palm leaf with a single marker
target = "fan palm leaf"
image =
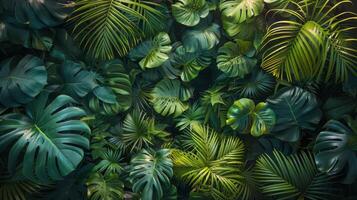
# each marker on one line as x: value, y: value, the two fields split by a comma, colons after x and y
x: 213, y: 160
x: 105, y: 28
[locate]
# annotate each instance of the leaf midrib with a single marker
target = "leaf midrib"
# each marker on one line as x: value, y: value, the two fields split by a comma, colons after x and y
x: 38, y: 129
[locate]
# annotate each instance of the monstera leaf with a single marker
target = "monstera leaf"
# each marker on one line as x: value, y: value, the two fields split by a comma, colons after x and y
x: 76, y: 80
x: 236, y: 59
x: 46, y: 139
x: 38, y: 14
x: 241, y: 10
x: 244, y: 116
x: 296, y: 109
x: 190, y: 63
x: 336, y: 150
x: 201, y: 38
x: 21, y: 80
x: 151, y: 172
x: 189, y: 12
x: 280, y: 177
x: 114, y: 93
x: 167, y: 98
x: 153, y: 53
x: 248, y: 30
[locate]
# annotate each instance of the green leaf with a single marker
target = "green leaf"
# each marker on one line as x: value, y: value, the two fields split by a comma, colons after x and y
x: 153, y: 53
x: 239, y: 114
x: 110, y: 162
x: 38, y: 14
x: 16, y: 187
x: 263, y: 120
x: 215, y: 106
x: 244, y: 116
x: 21, y: 80
x: 335, y: 150
x: 116, y: 77
x: 296, y: 110
x: 106, y: 28
x: 280, y: 177
x: 76, y: 80
x: 241, y: 10
x: 151, y: 172
x: 189, y: 12
x: 234, y: 60
x: 166, y: 98
x: 106, y: 187
x: 258, y: 84
x: 338, y: 107
x: 211, y: 160
x: 194, y: 115
x: 201, y: 38
x: 190, y: 63
x: 114, y: 93
x: 306, y: 49
x: 141, y: 131
x: 46, y: 139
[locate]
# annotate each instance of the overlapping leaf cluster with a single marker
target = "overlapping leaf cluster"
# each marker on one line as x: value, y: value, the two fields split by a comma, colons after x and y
x: 183, y: 99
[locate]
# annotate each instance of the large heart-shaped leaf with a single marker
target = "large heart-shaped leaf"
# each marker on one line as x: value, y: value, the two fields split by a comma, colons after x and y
x: 46, y: 139
x: 201, y: 38
x: 38, y: 14
x: 167, y: 98
x: 152, y: 53
x: 244, y: 116
x: 238, y: 116
x: 241, y: 10
x: 151, y: 172
x: 235, y: 59
x: 21, y: 80
x: 296, y: 109
x: 336, y: 150
x: 189, y: 12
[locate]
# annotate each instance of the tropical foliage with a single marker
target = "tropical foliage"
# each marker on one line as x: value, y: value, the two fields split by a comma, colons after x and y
x: 178, y: 99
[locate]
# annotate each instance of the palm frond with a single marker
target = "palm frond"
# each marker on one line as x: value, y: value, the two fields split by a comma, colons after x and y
x: 293, y: 177
x: 105, y: 28
x: 213, y: 160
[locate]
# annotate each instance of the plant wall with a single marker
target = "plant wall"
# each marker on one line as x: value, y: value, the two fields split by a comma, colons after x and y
x: 178, y: 99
